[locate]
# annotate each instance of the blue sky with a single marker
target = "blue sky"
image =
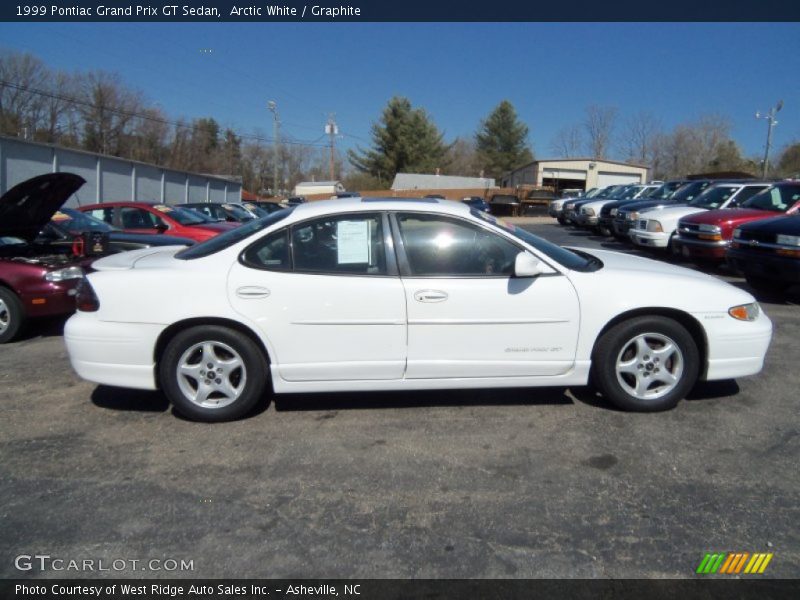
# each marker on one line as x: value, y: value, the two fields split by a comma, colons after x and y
x: 458, y: 72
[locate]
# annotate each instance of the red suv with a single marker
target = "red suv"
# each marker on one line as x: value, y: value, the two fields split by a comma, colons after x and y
x: 707, y: 235
x: 166, y: 219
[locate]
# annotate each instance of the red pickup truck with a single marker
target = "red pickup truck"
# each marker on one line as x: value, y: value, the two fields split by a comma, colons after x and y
x: 707, y: 235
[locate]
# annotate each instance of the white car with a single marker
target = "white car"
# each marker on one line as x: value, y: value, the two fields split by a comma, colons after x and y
x: 590, y: 213
x: 657, y: 227
x: 395, y: 294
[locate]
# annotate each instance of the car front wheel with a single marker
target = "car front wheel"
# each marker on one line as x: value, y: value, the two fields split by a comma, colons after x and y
x: 646, y: 364
x: 12, y: 316
x: 213, y: 373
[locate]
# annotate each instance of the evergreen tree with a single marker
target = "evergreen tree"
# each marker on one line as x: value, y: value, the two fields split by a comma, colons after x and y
x: 502, y: 141
x: 403, y: 140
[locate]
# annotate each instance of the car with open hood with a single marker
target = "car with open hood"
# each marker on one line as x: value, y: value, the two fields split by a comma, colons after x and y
x: 37, y: 278
x: 399, y: 294
x: 706, y: 236
x: 157, y: 219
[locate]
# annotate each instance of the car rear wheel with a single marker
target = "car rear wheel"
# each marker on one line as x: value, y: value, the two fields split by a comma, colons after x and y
x: 12, y: 316
x: 646, y: 364
x: 213, y: 373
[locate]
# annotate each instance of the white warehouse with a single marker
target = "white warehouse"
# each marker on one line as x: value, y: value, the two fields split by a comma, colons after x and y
x: 584, y: 173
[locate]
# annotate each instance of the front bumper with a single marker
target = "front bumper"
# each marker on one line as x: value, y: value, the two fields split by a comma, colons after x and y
x: 735, y: 348
x: 110, y: 353
x: 764, y: 264
x: 692, y: 248
x: 49, y: 299
x: 649, y: 239
x: 587, y: 220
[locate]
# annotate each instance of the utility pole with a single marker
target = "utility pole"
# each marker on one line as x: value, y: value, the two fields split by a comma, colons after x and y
x: 771, y: 122
x: 273, y: 107
x: 332, y: 130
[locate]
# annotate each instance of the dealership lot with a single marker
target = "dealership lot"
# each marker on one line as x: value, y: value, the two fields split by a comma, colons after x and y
x: 489, y: 483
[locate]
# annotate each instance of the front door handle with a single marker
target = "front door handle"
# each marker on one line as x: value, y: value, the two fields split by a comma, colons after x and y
x: 251, y: 292
x: 430, y: 296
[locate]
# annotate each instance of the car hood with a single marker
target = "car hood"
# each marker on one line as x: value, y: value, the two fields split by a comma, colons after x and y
x: 729, y: 215
x: 619, y: 261
x: 27, y: 207
x: 670, y: 212
x: 785, y: 224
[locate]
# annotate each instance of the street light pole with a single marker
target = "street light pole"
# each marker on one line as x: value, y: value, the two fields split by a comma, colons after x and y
x: 771, y: 122
x: 273, y: 107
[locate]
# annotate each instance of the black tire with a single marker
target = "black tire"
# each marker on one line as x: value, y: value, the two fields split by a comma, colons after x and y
x: 674, y: 249
x: 12, y: 315
x: 618, y: 344
x: 251, y: 378
x: 766, y: 286
x: 561, y: 220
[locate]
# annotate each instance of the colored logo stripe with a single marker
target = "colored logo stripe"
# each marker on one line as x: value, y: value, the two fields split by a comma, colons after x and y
x: 733, y: 563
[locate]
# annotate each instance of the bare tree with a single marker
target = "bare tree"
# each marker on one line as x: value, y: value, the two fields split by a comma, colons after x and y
x: 462, y: 158
x: 599, y: 125
x: 20, y: 108
x: 639, y: 136
x: 567, y: 142
x: 108, y: 109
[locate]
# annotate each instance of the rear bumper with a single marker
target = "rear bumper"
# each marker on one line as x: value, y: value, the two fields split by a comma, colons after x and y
x: 109, y: 353
x: 764, y: 264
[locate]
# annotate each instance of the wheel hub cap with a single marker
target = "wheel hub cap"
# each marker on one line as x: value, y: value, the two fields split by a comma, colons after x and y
x: 649, y: 366
x: 5, y: 317
x: 211, y: 374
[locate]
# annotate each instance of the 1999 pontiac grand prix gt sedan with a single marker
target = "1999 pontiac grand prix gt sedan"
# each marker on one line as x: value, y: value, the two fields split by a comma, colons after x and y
x: 382, y: 294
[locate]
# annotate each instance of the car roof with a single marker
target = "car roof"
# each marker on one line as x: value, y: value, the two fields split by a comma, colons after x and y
x: 359, y: 204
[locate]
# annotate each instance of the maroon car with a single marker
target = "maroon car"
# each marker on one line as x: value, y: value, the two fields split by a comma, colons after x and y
x: 37, y: 278
x: 707, y: 235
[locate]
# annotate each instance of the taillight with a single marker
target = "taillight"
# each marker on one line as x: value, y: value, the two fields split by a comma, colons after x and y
x: 85, y: 298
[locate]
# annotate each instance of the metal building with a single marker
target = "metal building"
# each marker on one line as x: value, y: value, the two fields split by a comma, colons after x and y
x: 109, y: 178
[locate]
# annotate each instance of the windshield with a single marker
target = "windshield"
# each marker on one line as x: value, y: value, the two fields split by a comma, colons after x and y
x: 779, y: 198
x: 233, y: 236
x: 239, y: 212
x: 689, y: 191
x: 714, y: 197
x: 184, y: 216
x: 567, y: 258
x: 70, y: 219
x: 665, y: 191
x: 630, y: 193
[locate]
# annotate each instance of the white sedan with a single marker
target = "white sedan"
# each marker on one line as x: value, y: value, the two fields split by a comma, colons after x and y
x: 381, y: 294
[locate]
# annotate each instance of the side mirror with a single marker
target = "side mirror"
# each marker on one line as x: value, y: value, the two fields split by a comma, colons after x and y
x: 527, y: 265
x: 161, y: 227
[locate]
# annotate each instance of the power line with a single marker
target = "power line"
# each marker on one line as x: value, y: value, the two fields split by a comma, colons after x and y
x: 136, y: 115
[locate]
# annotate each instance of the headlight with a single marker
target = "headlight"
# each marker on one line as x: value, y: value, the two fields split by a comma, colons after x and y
x: 588, y: 211
x: 710, y: 228
x: 614, y: 212
x: 64, y: 274
x: 737, y: 233
x: 788, y: 240
x: 654, y: 226
x: 633, y: 216
x: 745, y: 312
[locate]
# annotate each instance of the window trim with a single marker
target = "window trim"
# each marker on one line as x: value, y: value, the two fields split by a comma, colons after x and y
x: 388, y: 247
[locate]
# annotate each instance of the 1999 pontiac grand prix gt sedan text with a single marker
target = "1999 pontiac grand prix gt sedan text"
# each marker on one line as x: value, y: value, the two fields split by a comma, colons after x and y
x: 381, y: 294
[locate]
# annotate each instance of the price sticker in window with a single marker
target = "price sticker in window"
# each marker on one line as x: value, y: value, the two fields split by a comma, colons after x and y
x: 354, y: 242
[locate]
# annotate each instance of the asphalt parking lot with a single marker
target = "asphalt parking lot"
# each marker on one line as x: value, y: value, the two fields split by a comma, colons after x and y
x: 494, y: 483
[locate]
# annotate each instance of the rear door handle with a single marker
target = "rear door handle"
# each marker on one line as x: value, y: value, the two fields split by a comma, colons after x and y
x: 252, y: 292
x: 430, y: 296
